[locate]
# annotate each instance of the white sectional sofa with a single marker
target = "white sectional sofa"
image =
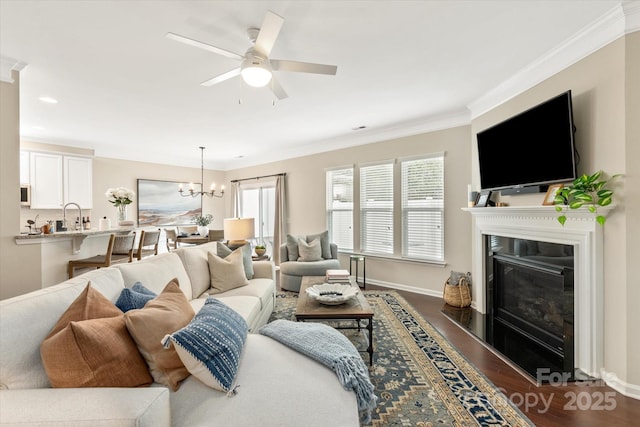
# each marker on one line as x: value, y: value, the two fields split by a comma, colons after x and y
x: 278, y: 386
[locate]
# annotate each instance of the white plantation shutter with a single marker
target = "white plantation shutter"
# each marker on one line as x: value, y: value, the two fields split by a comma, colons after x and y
x: 423, y: 208
x: 340, y: 207
x: 376, y: 208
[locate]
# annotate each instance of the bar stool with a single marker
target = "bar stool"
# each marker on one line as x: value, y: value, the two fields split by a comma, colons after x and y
x: 356, y: 259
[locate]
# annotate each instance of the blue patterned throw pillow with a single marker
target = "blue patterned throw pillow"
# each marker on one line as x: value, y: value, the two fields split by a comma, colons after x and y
x: 210, y: 346
x: 134, y: 297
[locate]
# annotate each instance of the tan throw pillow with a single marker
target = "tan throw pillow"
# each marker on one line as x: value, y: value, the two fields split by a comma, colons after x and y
x: 227, y: 273
x: 90, y: 347
x: 163, y: 315
x: 309, y: 251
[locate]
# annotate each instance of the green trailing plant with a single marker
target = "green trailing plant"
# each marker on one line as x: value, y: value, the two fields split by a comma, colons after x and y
x: 587, y: 190
x: 260, y: 247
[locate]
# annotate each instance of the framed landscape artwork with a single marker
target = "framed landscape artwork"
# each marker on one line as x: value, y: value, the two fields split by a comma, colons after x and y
x: 159, y: 203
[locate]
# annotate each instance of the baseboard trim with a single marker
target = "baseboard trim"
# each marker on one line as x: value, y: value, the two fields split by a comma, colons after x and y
x: 622, y: 387
x: 401, y: 287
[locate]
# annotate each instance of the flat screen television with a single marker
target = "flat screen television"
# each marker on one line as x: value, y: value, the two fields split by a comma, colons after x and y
x: 528, y: 151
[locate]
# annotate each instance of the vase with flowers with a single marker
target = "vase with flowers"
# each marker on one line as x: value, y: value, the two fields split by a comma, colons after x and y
x: 203, y: 221
x: 120, y: 197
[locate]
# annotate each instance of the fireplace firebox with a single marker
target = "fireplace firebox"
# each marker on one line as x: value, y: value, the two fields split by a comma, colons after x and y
x: 529, y: 294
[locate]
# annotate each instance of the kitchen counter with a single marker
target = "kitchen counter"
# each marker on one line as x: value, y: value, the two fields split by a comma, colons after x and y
x: 52, y: 252
x: 74, y: 233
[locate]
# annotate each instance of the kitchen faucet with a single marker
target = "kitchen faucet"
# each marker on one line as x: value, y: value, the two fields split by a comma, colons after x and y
x: 64, y: 215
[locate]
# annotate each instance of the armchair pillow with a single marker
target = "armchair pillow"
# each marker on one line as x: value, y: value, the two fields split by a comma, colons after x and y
x: 90, y: 347
x: 293, y: 245
x: 163, y: 315
x: 211, y: 345
x: 309, y: 252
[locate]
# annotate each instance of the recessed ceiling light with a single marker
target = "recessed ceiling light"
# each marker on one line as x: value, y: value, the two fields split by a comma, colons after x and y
x: 359, y: 127
x: 48, y: 100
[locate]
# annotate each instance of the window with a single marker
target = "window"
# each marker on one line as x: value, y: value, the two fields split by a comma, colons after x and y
x: 258, y: 202
x: 340, y: 207
x: 422, y: 183
x: 376, y: 208
x: 393, y: 208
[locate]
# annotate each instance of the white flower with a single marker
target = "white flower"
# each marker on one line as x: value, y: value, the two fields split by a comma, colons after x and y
x: 120, y: 196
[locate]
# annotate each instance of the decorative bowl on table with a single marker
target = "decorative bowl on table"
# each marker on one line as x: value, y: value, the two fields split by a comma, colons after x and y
x: 332, y: 293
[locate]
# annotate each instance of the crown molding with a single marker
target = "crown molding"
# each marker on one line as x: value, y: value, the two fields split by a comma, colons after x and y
x: 622, y: 19
x: 7, y: 65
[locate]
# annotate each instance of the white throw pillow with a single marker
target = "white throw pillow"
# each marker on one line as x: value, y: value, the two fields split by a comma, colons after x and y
x: 227, y: 273
x: 309, y: 251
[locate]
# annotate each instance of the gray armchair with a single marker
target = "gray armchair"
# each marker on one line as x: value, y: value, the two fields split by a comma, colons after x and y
x: 291, y: 272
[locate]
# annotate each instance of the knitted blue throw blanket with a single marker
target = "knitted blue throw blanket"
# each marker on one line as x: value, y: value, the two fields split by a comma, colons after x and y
x: 331, y: 348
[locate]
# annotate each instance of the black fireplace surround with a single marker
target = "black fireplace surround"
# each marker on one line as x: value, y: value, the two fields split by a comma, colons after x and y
x: 529, y: 297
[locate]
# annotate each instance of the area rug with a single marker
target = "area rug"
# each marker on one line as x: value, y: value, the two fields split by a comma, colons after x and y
x: 420, y: 379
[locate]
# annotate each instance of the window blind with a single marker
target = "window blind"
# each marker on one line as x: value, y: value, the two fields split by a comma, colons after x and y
x: 376, y: 208
x: 340, y: 207
x: 422, y: 182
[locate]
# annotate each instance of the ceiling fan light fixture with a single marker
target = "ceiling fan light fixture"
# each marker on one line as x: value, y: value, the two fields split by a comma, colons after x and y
x: 255, y: 71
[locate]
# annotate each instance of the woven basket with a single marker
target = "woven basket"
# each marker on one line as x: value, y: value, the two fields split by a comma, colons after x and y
x: 457, y: 295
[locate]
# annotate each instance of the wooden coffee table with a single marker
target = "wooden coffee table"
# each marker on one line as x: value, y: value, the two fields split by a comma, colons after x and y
x: 356, y: 308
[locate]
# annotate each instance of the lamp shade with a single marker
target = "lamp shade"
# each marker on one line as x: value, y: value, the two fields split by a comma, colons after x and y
x: 239, y: 228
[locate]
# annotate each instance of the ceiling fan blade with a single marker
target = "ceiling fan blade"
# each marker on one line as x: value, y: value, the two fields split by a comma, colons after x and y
x: 303, y: 67
x: 221, y: 77
x: 205, y: 46
x: 268, y: 34
x: 277, y: 90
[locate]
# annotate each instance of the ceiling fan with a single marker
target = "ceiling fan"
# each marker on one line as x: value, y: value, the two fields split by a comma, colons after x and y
x: 257, y: 67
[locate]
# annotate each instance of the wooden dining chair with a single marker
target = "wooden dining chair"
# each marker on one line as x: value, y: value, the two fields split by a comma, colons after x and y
x: 119, y: 249
x: 123, y: 248
x: 97, y: 261
x: 172, y: 238
x: 148, y: 244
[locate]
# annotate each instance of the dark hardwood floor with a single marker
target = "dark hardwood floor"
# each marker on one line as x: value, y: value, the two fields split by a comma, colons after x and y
x: 575, y: 404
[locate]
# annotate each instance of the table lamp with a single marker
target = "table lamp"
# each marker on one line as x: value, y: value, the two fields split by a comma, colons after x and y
x: 238, y: 230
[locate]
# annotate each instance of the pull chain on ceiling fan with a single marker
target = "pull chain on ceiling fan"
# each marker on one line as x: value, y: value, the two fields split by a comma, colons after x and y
x: 256, y: 67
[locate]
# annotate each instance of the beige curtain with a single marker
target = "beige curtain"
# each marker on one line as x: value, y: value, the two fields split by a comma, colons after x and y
x: 235, y: 200
x: 279, y: 228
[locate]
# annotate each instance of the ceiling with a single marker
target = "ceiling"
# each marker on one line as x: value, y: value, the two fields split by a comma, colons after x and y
x: 404, y: 67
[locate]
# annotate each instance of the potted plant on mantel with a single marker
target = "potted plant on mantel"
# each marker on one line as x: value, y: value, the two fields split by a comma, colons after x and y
x: 586, y: 190
x: 203, y: 223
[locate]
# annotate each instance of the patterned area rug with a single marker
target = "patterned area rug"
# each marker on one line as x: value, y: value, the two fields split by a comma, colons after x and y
x: 420, y: 379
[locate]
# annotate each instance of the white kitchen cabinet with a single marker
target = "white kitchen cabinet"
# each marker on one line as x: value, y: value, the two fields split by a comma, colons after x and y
x: 78, y: 186
x: 58, y: 179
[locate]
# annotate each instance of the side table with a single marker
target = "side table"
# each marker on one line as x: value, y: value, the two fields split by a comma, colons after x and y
x: 356, y: 259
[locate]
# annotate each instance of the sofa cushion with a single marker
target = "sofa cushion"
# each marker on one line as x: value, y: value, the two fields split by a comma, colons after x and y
x: 155, y: 272
x: 33, y: 315
x: 90, y: 346
x: 196, y: 263
x: 163, y: 315
x: 266, y: 381
x: 309, y: 252
x: 223, y: 251
x: 210, y: 346
x: 227, y: 273
x: 134, y: 297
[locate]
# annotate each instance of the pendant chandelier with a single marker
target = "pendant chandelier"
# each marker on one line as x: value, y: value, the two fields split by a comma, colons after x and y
x: 192, y: 192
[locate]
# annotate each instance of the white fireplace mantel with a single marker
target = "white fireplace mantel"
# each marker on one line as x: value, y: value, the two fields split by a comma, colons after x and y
x: 540, y: 223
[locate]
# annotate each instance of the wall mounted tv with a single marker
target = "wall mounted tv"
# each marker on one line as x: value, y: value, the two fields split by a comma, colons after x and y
x: 526, y: 152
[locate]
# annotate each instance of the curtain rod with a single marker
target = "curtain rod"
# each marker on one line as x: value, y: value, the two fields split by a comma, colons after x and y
x: 258, y: 177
